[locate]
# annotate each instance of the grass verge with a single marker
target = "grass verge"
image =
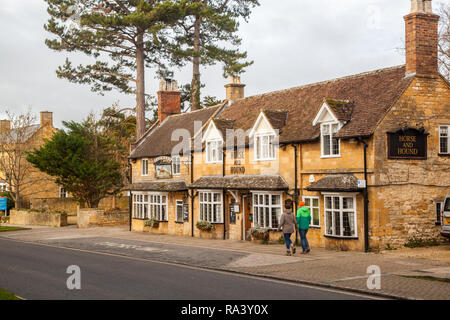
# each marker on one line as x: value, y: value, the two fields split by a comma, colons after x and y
x: 5, y: 295
x: 6, y: 229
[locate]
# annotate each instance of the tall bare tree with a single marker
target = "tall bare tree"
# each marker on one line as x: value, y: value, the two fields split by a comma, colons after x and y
x: 444, y: 40
x: 17, y: 137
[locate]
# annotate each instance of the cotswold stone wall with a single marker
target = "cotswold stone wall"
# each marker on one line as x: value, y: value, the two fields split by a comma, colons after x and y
x: 87, y: 218
x: 403, y: 193
x: 29, y: 218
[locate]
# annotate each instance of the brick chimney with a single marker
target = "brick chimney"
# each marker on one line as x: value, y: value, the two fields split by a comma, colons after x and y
x: 169, y: 99
x: 422, y: 40
x: 5, y: 125
x: 235, y: 90
x: 46, y: 119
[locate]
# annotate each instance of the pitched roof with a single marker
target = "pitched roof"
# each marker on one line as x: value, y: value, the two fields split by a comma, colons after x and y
x: 246, y: 182
x: 336, y: 182
x: 371, y: 95
x: 168, y: 186
x: 158, y: 142
x: 20, y: 134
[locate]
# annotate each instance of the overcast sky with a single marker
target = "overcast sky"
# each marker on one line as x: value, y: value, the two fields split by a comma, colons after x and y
x: 292, y: 42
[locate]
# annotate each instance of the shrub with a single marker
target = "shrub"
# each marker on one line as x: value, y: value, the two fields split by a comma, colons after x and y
x: 205, y: 226
x: 260, y: 233
x: 152, y: 223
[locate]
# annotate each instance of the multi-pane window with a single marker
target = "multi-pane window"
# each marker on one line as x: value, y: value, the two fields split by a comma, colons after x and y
x: 179, y: 208
x: 63, y: 193
x: 340, y: 216
x: 211, y: 207
x: 176, y: 166
x: 265, y: 147
x: 267, y: 209
x: 214, y: 151
x: 144, y: 167
x: 444, y: 140
x: 150, y: 205
x: 3, y: 186
x: 330, y: 144
x: 313, y: 204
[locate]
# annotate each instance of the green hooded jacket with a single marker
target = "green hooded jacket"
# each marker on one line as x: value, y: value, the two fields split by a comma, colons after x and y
x: 303, y: 218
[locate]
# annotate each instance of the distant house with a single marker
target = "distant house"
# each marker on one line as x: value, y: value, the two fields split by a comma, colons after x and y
x: 368, y: 154
x: 35, y: 184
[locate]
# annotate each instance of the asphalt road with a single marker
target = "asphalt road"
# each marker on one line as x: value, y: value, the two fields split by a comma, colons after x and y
x: 35, y: 271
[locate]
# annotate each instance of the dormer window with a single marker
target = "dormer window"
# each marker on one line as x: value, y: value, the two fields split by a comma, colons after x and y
x: 330, y: 144
x: 214, y: 151
x: 264, y: 147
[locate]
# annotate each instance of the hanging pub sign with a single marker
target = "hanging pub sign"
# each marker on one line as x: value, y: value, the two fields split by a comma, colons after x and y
x: 407, y: 143
x: 163, y: 167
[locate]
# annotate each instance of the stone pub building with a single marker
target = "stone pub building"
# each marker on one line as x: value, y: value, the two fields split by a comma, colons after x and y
x: 368, y: 153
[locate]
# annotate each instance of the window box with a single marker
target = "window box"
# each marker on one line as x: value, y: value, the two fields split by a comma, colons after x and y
x: 152, y: 223
x: 205, y: 226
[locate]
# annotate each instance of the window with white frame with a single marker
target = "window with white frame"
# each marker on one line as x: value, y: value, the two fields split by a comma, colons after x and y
x: 313, y: 205
x: 340, y: 216
x: 179, y: 208
x: 150, y: 205
x: 63, y: 193
x: 330, y: 144
x: 211, y: 207
x: 158, y: 207
x: 265, y: 147
x: 267, y: 209
x: 444, y: 140
x: 3, y: 187
x: 214, y: 151
x: 144, y: 167
x: 140, y: 206
x: 176, y: 166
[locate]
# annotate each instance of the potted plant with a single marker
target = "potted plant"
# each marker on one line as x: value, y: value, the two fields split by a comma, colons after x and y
x: 260, y: 233
x: 205, y: 226
x: 152, y: 223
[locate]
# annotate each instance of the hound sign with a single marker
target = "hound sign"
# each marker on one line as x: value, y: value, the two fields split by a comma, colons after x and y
x: 3, y: 204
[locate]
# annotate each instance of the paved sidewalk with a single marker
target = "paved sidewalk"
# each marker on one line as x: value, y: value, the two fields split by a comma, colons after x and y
x: 402, y: 276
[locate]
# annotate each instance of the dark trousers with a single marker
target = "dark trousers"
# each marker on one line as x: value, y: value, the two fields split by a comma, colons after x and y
x: 287, y: 239
x: 305, y: 244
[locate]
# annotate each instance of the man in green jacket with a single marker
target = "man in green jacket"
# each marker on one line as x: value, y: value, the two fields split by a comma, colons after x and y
x: 303, y: 221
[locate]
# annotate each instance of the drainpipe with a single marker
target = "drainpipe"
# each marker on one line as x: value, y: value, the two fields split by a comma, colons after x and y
x: 192, y: 193
x: 130, y: 200
x: 223, y: 195
x: 296, y: 189
x: 366, y: 200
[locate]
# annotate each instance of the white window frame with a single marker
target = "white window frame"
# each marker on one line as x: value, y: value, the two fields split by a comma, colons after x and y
x: 148, y: 205
x: 63, y: 194
x: 214, y: 145
x: 176, y: 164
x: 144, y: 167
x: 259, y: 146
x: 4, y: 187
x: 258, y: 206
x: 322, y: 144
x: 207, y: 205
x: 441, y: 137
x: 311, y: 207
x: 179, y: 204
x: 341, y: 210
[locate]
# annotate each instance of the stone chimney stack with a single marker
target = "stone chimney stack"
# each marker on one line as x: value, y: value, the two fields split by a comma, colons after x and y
x: 235, y: 90
x: 422, y: 40
x: 46, y: 119
x: 169, y: 99
x: 5, y: 125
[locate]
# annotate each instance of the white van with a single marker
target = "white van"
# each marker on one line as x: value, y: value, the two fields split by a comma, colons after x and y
x: 445, y: 231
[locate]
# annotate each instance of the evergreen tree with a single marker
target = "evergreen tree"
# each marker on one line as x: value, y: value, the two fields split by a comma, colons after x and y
x: 82, y: 160
x: 200, y: 39
x: 124, y: 37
